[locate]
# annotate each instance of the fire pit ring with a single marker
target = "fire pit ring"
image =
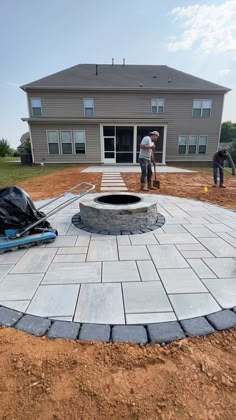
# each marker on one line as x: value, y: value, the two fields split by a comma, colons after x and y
x: 118, y: 214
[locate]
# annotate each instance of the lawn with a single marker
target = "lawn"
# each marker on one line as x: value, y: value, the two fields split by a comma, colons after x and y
x: 12, y: 172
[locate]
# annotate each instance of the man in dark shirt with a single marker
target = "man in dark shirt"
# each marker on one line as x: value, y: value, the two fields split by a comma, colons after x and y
x: 218, y: 162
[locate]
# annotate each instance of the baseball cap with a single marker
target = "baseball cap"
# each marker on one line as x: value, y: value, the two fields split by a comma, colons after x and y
x: 155, y: 133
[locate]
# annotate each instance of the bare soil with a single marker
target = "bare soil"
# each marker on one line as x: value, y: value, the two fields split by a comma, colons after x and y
x: 61, y: 379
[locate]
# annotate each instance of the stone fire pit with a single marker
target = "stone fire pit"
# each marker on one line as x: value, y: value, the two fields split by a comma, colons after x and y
x: 119, y: 213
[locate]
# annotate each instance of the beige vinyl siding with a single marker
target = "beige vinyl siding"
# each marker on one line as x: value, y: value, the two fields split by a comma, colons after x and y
x: 40, y: 145
x: 132, y: 107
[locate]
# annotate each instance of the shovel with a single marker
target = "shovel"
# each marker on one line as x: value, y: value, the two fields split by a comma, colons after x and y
x: 156, y: 183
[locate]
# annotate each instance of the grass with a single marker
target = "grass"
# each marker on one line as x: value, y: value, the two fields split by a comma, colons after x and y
x: 13, y: 172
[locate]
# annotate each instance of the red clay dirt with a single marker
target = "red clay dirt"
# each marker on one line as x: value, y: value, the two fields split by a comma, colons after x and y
x: 61, y: 379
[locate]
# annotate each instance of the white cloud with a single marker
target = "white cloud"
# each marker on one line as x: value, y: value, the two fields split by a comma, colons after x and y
x: 209, y: 28
x: 223, y: 73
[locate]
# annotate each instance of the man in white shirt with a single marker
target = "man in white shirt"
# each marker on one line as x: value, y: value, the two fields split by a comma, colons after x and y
x: 146, y: 157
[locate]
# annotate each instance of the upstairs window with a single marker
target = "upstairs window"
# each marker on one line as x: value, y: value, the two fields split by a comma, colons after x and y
x: 202, y: 145
x: 66, y: 142
x: 182, y: 145
x: 36, y: 107
x: 53, y: 142
x: 202, y: 107
x: 157, y: 105
x: 88, y: 107
x: 80, y: 141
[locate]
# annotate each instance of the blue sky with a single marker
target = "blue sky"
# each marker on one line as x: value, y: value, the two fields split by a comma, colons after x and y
x: 41, y: 38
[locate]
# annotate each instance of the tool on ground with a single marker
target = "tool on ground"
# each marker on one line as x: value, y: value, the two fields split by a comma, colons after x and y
x: 230, y: 171
x: 23, y: 225
x: 156, y: 183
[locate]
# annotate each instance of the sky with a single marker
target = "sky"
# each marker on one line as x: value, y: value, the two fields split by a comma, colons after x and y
x: 41, y: 38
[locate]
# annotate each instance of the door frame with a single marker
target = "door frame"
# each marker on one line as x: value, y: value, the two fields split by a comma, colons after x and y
x: 105, y: 161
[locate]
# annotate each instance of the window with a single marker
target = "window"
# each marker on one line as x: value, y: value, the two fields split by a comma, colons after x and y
x: 88, y: 107
x: 202, y: 145
x: 192, y: 145
x: 80, y: 141
x: 202, y: 107
x: 66, y: 142
x: 53, y: 142
x: 182, y: 145
x: 36, y: 107
x: 157, y: 105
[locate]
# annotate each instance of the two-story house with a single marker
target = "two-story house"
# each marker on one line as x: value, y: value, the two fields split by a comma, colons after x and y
x: 99, y: 113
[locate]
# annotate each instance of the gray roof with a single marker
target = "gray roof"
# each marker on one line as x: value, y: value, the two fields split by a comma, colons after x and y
x: 123, y: 76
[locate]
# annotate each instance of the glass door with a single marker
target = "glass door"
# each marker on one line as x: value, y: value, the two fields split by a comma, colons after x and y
x: 109, y: 150
x: 124, y: 144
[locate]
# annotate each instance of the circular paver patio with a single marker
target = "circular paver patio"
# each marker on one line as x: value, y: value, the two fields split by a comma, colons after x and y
x: 184, y: 270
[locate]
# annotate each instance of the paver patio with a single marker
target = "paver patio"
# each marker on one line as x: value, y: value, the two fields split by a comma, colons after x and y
x: 183, y: 270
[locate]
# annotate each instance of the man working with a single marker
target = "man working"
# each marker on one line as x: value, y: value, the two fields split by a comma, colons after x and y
x: 146, y: 157
x: 218, y: 162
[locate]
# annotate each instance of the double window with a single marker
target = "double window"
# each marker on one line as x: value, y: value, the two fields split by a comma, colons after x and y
x: 157, y: 105
x: 192, y: 145
x: 36, y: 107
x: 88, y: 107
x: 66, y: 142
x: 202, y: 107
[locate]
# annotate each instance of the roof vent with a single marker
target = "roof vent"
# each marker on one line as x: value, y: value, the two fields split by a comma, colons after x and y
x: 96, y: 70
x: 154, y: 77
x: 123, y: 61
x: 112, y: 61
x: 141, y: 85
x: 169, y: 80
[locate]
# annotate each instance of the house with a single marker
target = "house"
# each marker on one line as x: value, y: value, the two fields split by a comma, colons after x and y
x: 99, y: 113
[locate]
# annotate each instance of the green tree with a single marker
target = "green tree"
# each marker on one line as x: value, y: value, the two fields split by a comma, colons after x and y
x: 232, y: 150
x: 27, y: 146
x: 228, y: 132
x: 4, y: 148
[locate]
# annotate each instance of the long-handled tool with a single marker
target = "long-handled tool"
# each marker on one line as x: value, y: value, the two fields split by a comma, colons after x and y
x: 156, y: 183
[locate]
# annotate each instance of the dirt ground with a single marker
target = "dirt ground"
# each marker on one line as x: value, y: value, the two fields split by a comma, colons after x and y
x: 60, y: 379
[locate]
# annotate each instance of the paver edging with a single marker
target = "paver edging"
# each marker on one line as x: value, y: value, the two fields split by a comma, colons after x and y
x: 162, y: 332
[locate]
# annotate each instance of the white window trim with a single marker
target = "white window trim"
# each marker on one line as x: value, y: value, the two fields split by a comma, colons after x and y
x: 201, y: 116
x: 85, y: 107
x: 72, y: 150
x: 31, y: 107
x: 187, y: 144
x: 57, y: 131
x: 158, y: 99
x: 75, y: 142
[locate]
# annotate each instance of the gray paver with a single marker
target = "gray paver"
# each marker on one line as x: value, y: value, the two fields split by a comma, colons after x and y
x: 191, y: 247
x: 147, y: 271
x: 222, y: 267
x: 35, y: 261
x: 174, y: 229
x: 17, y: 305
x: 176, y: 238
x: 167, y: 256
x: 4, y: 269
x: 133, y: 334
x: 83, y: 240
x: 196, y: 254
x: 73, y: 273
x: 144, y: 239
x: 150, y: 318
x: 60, y: 329
x: 219, y: 247
x: 123, y: 240
x: 200, y: 232
x: 69, y: 258
x: 63, y: 241
x: 201, y: 269
x: 182, y: 280
x: 33, y: 324
x: 145, y: 297
x: 223, y: 290
x: 100, y: 303
x: 53, y: 300
x: 72, y: 250
x: 95, y: 332
x: 120, y: 271
x: 165, y: 332
x: 12, y: 257
x: 222, y: 320
x: 9, y: 316
x: 102, y: 251
x: 19, y: 286
x: 138, y: 252
x: 193, y: 305
x: 197, y: 326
